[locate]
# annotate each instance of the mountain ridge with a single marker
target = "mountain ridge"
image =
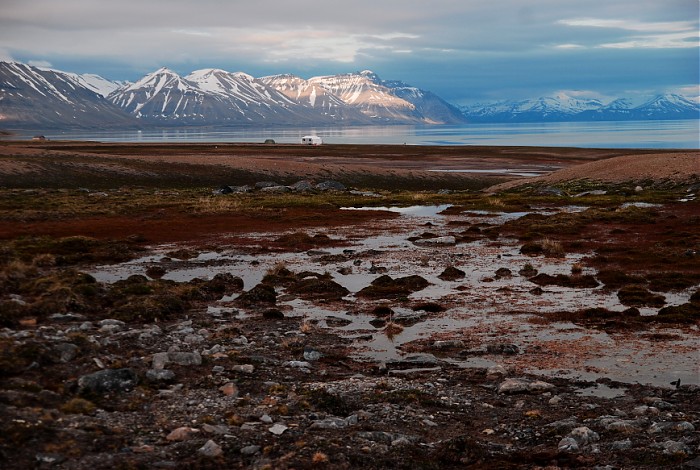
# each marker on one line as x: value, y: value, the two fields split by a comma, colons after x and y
x: 35, y: 97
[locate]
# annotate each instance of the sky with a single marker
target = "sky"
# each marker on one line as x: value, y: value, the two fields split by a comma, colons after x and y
x: 465, y: 51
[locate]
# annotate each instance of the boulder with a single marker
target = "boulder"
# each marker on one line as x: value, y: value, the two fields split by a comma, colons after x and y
x: 330, y: 185
x: 107, y: 381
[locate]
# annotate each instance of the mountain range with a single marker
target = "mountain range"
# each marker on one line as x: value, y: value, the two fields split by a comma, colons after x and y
x: 563, y: 107
x: 36, y: 98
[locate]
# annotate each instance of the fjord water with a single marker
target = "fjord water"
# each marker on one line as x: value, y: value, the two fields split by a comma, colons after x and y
x: 682, y: 134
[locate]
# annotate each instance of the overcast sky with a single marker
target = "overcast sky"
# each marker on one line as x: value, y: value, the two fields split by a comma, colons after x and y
x: 463, y: 50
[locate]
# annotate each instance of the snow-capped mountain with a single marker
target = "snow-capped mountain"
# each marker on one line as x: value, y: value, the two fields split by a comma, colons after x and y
x: 218, y: 97
x: 433, y: 108
x: 550, y: 108
x: 365, y: 92
x: 314, y: 96
x: 34, y: 97
x: 565, y: 108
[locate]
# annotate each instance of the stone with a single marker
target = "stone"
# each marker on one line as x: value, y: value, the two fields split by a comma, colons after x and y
x: 448, y: 240
x: 106, y: 381
x: 266, y: 184
x: 334, y: 423
x: 568, y: 444
x: 675, y: 448
x: 275, y: 189
x: 181, y: 434
x: 621, y: 445
x: 452, y: 274
x: 159, y: 360
x: 584, y: 435
x: 298, y: 364
x: 244, y: 368
x: 230, y: 390
x: 185, y: 358
x: 682, y: 427
x: 66, y: 351
x: 311, y: 354
x: 250, y: 450
x: 502, y: 348
x: 278, y: 429
x: 524, y: 386
x: 330, y: 185
x: 623, y: 426
x: 302, y: 186
x: 215, y: 429
x: 160, y: 375
x: 211, y: 449
x: 555, y: 400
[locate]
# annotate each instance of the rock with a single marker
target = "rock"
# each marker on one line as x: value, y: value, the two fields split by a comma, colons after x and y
x: 160, y: 360
x: 550, y: 191
x: 682, y: 427
x: 555, y: 400
x: 275, y: 189
x: 311, y: 354
x: 230, y: 390
x: 334, y: 423
x: 244, y: 368
x: 278, y: 429
x: 621, y: 445
x: 563, y: 425
x: 448, y: 240
x: 298, y: 364
x: 241, y: 189
x: 224, y: 190
x: 452, y: 274
x: 185, y: 358
x: 66, y: 352
x: 273, y: 314
x: 160, y: 375
x: 568, y: 444
x: 250, y: 450
x: 210, y: 449
x: 330, y: 185
x: 584, y: 436
x: 106, y: 381
x: 302, y: 186
x: 266, y: 184
x: 496, y: 372
x: 502, y: 348
x: 675, y: 448
x: 524, y: 386
x: 259, y: 294
x: 623, y: 426
x: 388, y: 288
x: 503, y: 272
x: 181, y: 434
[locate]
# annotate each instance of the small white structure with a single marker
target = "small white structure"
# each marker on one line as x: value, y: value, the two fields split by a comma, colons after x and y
x: 311, y: 140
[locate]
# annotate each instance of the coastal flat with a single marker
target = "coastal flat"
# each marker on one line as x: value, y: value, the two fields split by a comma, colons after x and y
x: 191, y: 305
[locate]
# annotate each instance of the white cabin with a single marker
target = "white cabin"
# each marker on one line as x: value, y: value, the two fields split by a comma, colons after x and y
x: 311, y: 140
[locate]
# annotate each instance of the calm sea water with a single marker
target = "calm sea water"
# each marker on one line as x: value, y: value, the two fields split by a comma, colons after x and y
x: 683, y: 134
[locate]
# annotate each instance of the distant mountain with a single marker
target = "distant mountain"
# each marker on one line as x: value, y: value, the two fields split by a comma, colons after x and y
x: 314, y: 96
x: 566, y: 108
x: 427, y: 104
x: 34, y: 98
x: 31, y: 97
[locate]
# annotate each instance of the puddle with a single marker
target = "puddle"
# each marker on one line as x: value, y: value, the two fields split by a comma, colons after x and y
x: 482, y: 307
x: 601, y: 391
x: 497, y: 171
x: 410, y: 211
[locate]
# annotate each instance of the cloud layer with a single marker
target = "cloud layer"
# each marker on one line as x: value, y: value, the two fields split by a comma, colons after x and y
x: 464, y: 50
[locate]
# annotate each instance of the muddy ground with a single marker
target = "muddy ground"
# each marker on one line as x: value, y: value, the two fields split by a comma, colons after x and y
x: 161, y: 310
